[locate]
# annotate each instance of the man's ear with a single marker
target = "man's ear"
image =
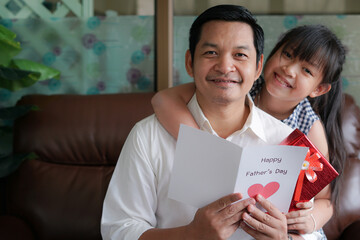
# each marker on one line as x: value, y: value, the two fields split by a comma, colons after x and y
x: 189, y: 63
x: 259, y: 66
x: 320, y: 90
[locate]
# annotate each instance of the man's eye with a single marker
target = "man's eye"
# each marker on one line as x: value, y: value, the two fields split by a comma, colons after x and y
x: 240, y: 55
x: 210, y: 53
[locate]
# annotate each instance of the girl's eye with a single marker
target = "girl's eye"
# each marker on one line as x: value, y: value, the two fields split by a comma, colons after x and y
x: 286, y: 54
x: 307, y: 71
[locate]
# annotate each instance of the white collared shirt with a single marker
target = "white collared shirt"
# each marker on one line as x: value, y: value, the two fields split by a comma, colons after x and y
x: 137, y: 200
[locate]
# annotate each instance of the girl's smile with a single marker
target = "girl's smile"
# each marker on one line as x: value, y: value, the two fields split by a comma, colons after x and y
x: 282, y: 81
x: 290, y: 79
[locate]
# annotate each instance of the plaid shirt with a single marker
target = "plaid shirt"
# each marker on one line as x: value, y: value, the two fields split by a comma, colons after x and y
x: 303, y: 116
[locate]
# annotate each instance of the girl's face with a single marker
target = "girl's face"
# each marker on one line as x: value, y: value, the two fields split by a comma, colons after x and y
x: 290, y: 79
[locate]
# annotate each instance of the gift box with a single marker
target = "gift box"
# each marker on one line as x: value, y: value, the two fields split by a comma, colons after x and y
x: 315, y: 174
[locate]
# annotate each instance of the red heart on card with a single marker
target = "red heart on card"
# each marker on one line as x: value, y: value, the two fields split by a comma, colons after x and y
x: 266, y: 191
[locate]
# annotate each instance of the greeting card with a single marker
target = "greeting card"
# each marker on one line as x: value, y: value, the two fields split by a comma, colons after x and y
x: 316, y: 171
x: 207, y: 167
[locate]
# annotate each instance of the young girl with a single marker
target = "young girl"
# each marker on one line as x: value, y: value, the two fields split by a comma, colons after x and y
x: 304, y: 65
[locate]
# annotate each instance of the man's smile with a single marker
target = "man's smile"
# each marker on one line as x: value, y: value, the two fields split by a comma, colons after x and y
x: 223, y: 80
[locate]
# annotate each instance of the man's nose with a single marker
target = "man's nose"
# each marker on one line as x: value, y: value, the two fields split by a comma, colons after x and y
x: 225, y: 64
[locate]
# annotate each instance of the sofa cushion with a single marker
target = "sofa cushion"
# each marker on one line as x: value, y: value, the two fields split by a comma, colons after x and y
x: 78, y: 139
x: 79, y: 129
x: 351, y: 126
x: 351, y: 232
x: 349, y: 193
x: 14, y: 228
x: 59, y: 201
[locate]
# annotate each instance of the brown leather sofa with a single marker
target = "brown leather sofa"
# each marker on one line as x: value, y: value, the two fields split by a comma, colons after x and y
x: 78, y: 139
x: 346, y: 224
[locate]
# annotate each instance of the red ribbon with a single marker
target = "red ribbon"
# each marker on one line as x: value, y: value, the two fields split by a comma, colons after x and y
x: 310, y: 165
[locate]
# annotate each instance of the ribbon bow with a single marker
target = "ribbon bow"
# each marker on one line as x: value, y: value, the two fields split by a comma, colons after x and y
x: 310, y: 165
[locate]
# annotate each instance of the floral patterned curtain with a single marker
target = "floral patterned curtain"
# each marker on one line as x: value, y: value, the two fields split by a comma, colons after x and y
x: 95, y: 56
x: 114, y: 54
x: 344, y: 26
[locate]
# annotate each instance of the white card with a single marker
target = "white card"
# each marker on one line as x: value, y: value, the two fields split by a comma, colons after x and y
x: 207, y: 167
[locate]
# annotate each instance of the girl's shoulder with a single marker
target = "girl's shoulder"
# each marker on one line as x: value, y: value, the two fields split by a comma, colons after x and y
x: 256, y: 88
x: 303, y: 117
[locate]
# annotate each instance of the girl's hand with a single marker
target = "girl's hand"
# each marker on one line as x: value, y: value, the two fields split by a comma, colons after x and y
x: 301, y: 220
x: 270, y: 225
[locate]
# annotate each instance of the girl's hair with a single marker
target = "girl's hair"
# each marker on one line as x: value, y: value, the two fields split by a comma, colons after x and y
x: 317, y: 44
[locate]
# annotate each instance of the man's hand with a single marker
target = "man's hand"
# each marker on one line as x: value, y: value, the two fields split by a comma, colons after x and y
x: 270, y: 225
x: 220, y: 219
x: 301, y: 220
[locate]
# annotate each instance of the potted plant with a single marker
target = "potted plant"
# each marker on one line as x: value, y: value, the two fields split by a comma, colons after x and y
x: 16, y: 74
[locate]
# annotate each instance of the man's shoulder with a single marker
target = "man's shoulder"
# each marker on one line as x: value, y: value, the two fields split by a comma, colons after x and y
x: 149, y: 126
x: 149, y: 123
x: 274, y: 128
x: 147, y: 120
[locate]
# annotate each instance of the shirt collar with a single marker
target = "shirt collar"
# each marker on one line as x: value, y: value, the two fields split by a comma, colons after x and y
x: 201, y: 120
x: 253, y: 122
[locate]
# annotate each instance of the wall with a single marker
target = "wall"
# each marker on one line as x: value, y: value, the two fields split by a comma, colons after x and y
x: 116, y: 54
x: 346, y: 27
x: 95, y: 56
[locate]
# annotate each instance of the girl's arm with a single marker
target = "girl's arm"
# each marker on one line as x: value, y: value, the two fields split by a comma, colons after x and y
x: 317, y: 136
x: 322, y: 207
x: 171, y: 110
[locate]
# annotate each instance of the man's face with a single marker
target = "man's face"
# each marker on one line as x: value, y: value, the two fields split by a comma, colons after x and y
x: 224, y: 65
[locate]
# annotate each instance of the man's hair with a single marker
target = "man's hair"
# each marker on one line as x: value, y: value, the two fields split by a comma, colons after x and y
x: 230, y: 13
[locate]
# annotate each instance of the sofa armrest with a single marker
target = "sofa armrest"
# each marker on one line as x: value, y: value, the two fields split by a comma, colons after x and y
x: 353, y: 230
x: 13, y: 228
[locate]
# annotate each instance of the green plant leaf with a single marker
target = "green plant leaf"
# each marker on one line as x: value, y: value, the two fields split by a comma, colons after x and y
x: 6, y: 33
x: 12, y: 113
x: 8, y: 46
x: 45, y: 71
x: 8, y: 164
x: 16, y: 79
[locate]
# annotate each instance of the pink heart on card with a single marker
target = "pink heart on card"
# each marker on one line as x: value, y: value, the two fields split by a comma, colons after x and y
x: 266, y: 191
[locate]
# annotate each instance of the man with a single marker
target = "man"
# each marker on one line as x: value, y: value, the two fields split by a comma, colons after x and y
x: 225, y: 58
